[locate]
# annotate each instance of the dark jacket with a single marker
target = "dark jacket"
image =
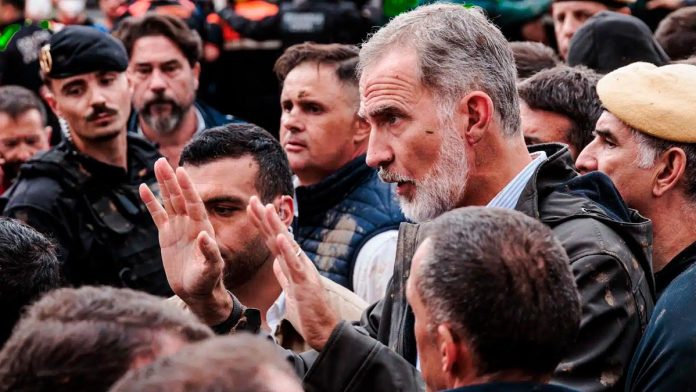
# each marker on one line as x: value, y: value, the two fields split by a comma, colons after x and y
x: 609, y: 251
x: 511, y: 387
x: 93, y: 211
x: 665, y: 356
x: 610, y: 40
x: 211, y: 118
x: 19, y: 59
x: 340, y: 214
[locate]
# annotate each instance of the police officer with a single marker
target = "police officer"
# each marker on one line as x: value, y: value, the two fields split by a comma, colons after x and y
x: 83, y: 192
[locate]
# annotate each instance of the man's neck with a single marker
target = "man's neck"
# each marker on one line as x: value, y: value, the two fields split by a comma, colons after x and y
x: 512, y: 376
x: 496, y: 166
x: 113, y: 152
x: 313, y: 177
x: 261, y: 291
x: 674, y: 228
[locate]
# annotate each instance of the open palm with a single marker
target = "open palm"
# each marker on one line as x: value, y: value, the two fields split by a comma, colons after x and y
x: 190, y: 255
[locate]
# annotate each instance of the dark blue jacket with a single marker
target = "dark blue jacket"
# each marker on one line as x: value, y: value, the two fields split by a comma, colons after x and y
x: 340, y: 214
x: 666, y: 355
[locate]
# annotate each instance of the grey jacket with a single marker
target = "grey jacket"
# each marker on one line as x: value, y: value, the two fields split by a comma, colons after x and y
x: 609, y: 248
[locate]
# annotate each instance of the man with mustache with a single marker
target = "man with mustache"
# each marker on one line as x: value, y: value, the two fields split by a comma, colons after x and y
x: 164, y: 69
x: 83, y: 192
x: 23, y: 130
x: 438, y: 87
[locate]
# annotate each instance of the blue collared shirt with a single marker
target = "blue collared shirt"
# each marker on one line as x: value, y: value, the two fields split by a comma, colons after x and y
x: 508, y: 197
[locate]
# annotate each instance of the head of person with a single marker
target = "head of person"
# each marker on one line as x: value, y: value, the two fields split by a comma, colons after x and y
x: 560, y: 105
x: 645, y: 140
x: 238, y: 363
x: 71, y: 11
x: 23, y: 130
x: 11, y: 10
x: 433, y: 127
x: 488, y: 309
x: 532, y: 57
x: 112, y: 9
x: 91, y: 336
x: 260, y: 168
x: 28, y: 268
x: 570, y: 15
x: 84, y: 70
x: 676, y: 33
x: 164, y: 68
x: 611, y: 40
x: 319, y: 126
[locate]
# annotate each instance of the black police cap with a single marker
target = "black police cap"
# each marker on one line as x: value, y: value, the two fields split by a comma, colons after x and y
x: 77, y: 50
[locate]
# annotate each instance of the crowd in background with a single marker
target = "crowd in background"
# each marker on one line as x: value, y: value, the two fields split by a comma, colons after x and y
x: 361, y: 195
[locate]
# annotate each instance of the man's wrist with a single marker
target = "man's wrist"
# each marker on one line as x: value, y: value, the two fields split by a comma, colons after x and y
x: 215, y: 309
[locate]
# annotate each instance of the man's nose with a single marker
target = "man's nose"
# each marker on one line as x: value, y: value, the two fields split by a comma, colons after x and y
x: 587, y: 161
x: 379, y: 152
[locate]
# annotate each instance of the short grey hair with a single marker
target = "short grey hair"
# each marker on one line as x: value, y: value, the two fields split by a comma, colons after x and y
x: 459, y: 51
x: 515, y: 302
x: 650, y: 148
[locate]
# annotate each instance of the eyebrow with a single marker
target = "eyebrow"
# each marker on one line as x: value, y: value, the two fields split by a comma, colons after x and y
x: 384, y: 111
x: 223, y: 199
x: 79, y: 82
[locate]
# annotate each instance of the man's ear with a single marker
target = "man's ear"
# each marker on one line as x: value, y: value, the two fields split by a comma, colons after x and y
x: 669, y: 171
x: 286, y: 210
x: 50, y: 99
x: 362, y: 130
x: 447, y: 346
x: 476, y: 111
x: 196, y: 74
x: 624, y: 10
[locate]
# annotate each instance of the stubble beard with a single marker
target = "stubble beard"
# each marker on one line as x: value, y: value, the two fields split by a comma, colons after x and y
x: 444, y: 186
x: 242, y: 266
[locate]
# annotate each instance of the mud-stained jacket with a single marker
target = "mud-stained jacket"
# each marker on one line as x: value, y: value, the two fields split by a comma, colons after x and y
x: 93, y: 211
x: 609, y: 248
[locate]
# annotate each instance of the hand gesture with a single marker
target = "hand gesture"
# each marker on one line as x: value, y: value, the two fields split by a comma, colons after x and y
x: 300, y: 280
x: 190, y: 255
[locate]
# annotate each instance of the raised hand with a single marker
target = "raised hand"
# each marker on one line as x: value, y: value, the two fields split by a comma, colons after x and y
x: 300, y: 280
x: 190, y: 255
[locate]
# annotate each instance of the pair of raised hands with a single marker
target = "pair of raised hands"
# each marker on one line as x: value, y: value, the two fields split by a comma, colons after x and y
x: 194, y: 265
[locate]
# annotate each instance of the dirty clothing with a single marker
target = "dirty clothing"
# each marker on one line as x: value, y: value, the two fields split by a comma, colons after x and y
x: 339, y: 215
x: 665, y: 356
x: 609, y: 247
x: 93, y: 211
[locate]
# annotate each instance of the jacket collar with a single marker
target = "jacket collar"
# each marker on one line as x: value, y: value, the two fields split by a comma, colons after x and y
x: 318, y: 198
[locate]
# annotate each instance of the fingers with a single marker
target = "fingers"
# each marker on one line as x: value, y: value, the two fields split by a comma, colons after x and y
x: 170, y: 186
x: 164, y: 193
x: 194, y: 204
x: 280, y: 275
x: 209, y: 248
x: 159, y: 215
x: 290, y: 262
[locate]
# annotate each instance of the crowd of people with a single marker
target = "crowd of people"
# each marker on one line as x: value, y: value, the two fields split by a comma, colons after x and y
x: 475, y: 196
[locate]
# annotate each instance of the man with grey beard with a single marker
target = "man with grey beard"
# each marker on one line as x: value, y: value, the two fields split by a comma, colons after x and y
x: 451, y: 139
x: 164, y: 68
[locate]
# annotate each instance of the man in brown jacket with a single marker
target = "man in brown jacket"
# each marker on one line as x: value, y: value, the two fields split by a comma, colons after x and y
x: 224, y: 168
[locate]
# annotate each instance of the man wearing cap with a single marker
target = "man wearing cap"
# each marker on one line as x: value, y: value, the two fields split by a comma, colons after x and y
x: 83, y: 192
x: 570, y: 15
x: 646, y: 142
